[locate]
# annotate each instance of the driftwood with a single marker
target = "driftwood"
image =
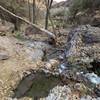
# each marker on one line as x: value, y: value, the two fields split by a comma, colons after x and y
x: 28, y: 22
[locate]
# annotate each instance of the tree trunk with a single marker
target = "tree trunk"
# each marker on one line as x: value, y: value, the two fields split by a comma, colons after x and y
x: 17, y: 25
x: 29, y: 7
x: 48, y: 7
x: 34, y: 17
x: 46, y: 19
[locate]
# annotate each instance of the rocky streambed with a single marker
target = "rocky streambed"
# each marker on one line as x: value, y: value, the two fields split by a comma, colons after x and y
x: 33, y: 70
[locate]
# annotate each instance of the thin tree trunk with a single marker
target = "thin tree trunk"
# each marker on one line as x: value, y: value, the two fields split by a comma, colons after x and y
x: 52, y: 24
x: 3, y: 21
x: 48, y: 7
x: 16, y: 25
x: 46, y: 19
x: 29, y: 8
x: 34, y: 17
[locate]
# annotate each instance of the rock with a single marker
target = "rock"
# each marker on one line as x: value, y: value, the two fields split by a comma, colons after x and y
x: 7, y: 27
x: 59, y: 93
x: 97, y: 91
x: 51, y: 65
x: 82, y: 49
x: 89, y: 98
x: 19, y: 58
x: 98, y: 98
x: 54, y: 62
x: 86, y: 98
x: 81, y: 87
x: 73, y: 75
x: 48, y: 66
x: 63, y: 93
x: 38, y: 45
x: 32, y: 32
x: 79, y: 43
x: 11, y: 99
x: 93, y: 78
x: 75, y: 96
x: 24, y: 86
x: 62, y: 67
x: 36, y: 55
x: 82, y: 44
x: 3, y: 56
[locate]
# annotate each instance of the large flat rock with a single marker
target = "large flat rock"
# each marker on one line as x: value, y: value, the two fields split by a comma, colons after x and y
x: 17, y: 57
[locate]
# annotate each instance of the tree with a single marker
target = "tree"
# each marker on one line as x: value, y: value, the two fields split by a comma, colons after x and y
x: 48, y: 7
x: 34, y: 19
x: 29, y: 7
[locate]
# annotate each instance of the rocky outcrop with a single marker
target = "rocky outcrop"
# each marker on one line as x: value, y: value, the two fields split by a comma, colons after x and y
x: 58, y: 93
x: 82, y: 54
x: 17, y: 58
x: 77, y: 68
x: 83, y: 46
x: 66, y: 93
x: 81, y: 59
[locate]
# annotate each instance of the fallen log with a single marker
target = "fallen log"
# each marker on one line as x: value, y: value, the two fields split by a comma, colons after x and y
x: 50, y: 34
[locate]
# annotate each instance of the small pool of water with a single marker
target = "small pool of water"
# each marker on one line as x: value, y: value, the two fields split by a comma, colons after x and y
x: 39, y: 88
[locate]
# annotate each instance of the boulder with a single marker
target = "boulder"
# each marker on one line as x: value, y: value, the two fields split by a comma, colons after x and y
x: 17, y: 58
x: 83, y: 46
x: 81, y: 59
